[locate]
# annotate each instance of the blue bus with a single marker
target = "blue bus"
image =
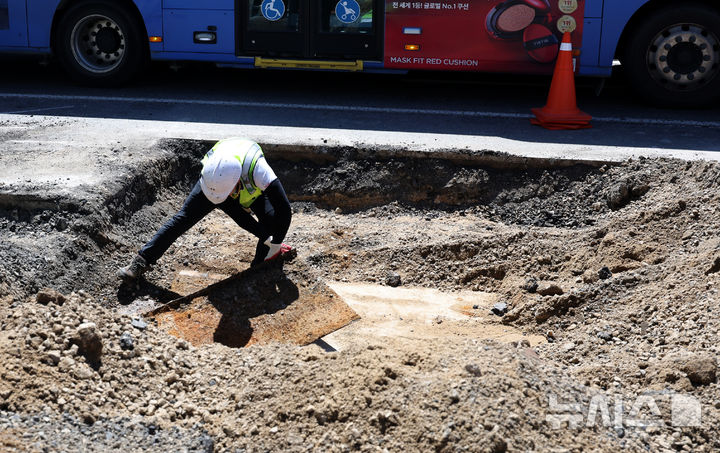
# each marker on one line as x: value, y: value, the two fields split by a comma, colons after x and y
x: 669, y: 50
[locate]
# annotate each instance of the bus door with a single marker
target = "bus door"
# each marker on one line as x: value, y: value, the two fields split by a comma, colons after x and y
x: 338, y: 29
x: 13, y: 23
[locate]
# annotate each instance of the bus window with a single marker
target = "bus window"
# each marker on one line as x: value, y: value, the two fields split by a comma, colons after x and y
x: 347, y: 16
x: 273, y: 15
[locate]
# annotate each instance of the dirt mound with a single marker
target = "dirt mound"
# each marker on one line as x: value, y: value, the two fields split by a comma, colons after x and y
x: 615, y: 267
x: 280, y: 397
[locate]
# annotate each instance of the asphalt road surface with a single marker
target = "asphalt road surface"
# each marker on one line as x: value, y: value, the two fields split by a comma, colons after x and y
x: 467, y: 104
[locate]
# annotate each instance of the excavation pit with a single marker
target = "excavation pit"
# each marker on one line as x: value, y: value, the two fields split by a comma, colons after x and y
x: 609, y: 274
x: 300, y: 308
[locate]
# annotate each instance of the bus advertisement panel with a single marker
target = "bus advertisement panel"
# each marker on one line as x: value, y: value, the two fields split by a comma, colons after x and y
x: 487, y: 35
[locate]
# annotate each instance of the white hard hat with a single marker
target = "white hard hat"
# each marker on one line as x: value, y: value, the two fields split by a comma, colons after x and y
x: 221, y: 172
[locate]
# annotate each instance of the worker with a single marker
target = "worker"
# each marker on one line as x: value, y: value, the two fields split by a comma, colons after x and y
x: 236, y: 178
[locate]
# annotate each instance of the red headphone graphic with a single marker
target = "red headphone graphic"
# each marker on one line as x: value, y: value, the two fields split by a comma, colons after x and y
x: 525, y: 20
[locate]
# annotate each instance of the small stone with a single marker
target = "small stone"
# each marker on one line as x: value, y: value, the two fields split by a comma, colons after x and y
x: 171, y: 378
x: 139, y: 324
x: 473, y: 369
x: 48, y: 295
x: 530, y: 285
x: 500, y: 308
x: 126, y: 342
x: 83, y: 372
x: 549, y: 289
x: 567, y: 347
x: 619, y: 195
x: 89, y: 342
x: 603, y: 335
x: 65, y: 364
x: 393, y: 279
x: 53, y: 358
x: 700, y: 369
x: 604, y: 273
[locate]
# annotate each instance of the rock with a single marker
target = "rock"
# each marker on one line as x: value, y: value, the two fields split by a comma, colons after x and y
x: 500, y: 308
x: 171, y: 378
x: 530, y: 285
x: 126, y: 342
x: 65, y: 364
x: 139, y: 324
x: 393, y: 279
x: 48, y: 295
x: 714, y: 267
x: 89, y: 342
x: 83, y: 372
x: 619, y: 195
x: 473, y: 369
x: 604, y: 273
x: 52, y: 358
x: 700, y: 369
x: 549, y: 289
x: 589, y: 276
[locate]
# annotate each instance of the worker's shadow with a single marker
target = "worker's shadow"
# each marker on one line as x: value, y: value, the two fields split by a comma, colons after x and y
x: 135, y: 289
x: 261, y: 292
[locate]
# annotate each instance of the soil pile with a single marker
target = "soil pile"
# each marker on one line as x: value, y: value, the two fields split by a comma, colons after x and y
x: 76, y: 358
x: 617, y: 267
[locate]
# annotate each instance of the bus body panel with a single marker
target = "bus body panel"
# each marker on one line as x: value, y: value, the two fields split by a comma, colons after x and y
x: 13, y: 23
x: 182, y: 25
x: 620, y: 11
x: 40, y: 19
x: 593, y: 8
x: 589, y: 51
x: 194, y: 4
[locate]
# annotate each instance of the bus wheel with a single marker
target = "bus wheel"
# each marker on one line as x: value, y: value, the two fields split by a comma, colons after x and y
x: 673, y: 57
x: 100, y: 44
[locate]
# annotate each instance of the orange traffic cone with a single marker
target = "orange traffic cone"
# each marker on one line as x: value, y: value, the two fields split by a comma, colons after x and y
x: 561, y: 110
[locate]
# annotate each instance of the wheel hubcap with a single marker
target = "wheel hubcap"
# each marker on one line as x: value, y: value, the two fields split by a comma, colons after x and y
x: 684, y: 57
x: 98, y: 44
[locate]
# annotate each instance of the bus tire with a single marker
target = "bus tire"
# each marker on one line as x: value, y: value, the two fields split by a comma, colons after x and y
x: 100, y: 43
x: 672, y: 58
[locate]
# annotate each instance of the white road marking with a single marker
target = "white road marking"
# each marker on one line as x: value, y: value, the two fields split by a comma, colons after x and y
x: 348, y: 108
x: 39, y: 110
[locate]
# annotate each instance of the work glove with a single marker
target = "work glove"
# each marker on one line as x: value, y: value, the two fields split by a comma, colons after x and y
x: 275, y: 250
x: 267, y: 251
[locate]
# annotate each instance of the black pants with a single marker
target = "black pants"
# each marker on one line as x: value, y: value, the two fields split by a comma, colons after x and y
x: 196, y: 207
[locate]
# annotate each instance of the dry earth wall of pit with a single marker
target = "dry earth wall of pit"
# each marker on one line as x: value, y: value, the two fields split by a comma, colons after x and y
x: 84, y: 238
